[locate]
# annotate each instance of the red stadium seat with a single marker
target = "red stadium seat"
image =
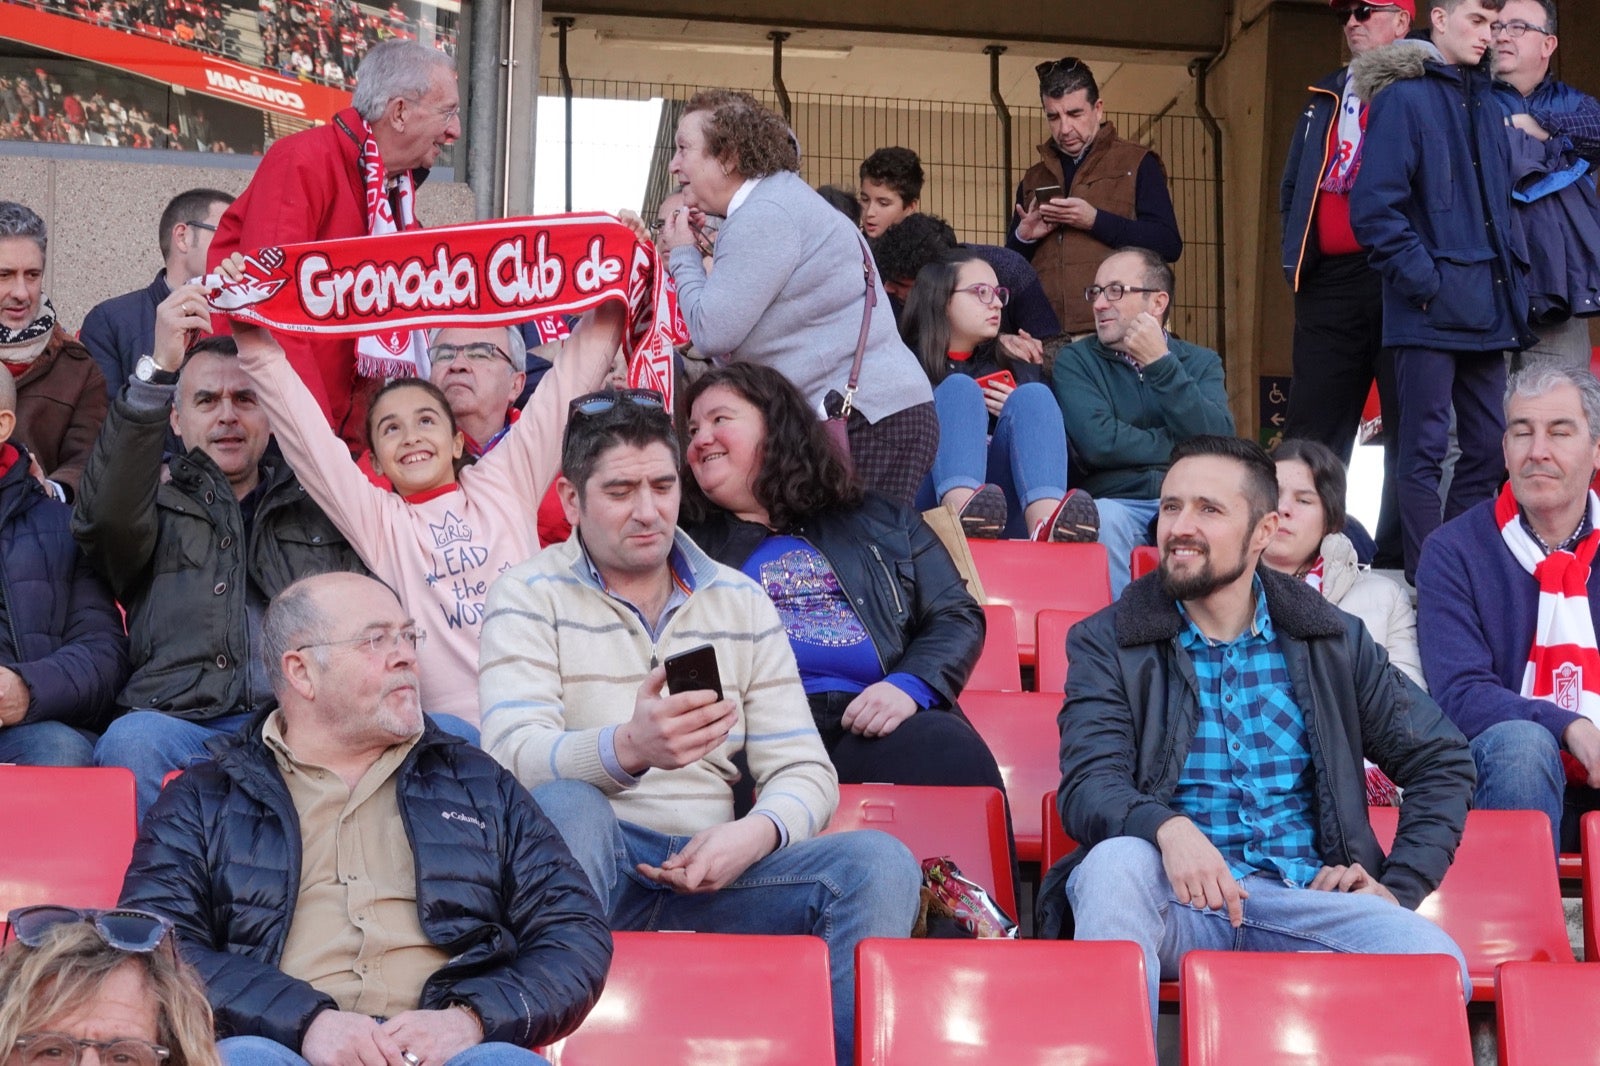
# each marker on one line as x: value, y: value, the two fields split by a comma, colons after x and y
x: 1012, y: 1002
x: 1030, y: 577
x: 998, y: 668
x: 1020, y: 729
x: 1546, y: 1013
x: 1143, y: 560
x: 687, y: 999
x: 1500, y: 900
x: 967, y: 824
x: 1311, y: 1007
x: 1051, y: 653
x: 1057, y: 845
x: 1591, y: 886
x: 66, y: 835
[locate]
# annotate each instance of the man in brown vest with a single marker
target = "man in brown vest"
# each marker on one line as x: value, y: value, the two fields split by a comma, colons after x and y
x: 1099, y: 193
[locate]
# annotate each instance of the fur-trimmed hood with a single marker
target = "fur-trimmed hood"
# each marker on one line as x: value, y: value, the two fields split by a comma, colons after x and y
x: 1374, y: 71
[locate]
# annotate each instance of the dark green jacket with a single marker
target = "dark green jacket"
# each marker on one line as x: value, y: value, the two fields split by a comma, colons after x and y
x: 1122, y: 423
x: 179, y: 560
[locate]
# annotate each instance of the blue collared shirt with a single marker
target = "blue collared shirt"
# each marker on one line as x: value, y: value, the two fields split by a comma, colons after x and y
x: 1247, y: 782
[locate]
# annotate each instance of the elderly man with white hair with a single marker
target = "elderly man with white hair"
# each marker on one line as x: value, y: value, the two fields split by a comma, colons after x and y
x: 355, y: 176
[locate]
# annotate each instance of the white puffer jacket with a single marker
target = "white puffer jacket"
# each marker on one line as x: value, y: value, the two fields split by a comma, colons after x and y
x: 1381, y: 604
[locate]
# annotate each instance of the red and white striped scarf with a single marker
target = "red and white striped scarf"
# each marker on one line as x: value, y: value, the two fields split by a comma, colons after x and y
x: 393, y: 353
x: 1564, y: 662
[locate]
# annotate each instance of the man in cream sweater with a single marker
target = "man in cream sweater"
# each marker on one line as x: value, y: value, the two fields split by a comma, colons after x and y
x: 640, y: 783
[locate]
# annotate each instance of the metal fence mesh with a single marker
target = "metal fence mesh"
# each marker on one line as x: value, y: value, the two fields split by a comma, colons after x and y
x: 961, y: 148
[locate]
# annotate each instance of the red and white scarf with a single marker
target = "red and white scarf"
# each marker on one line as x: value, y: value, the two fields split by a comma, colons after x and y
x: 1313, y: 576
x: 1564, y: 663
x: 396, y: 353
x: 1351, y: 132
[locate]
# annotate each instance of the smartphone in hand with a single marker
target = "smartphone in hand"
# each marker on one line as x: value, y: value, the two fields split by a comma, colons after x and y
x: 1046, y: 193
x: 694, y: 670
x: 1002, y: 376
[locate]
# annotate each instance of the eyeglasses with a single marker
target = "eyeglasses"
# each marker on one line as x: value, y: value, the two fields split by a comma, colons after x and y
x: 197, y: 224
x: 379, y: 643
x: 988, y: 294
x: 1114, y: 292
x: 1516, y: 28
x: 478, y: 352
x: 136, y: 932
x: 59, y: 1049
x: 594, y: 404
x: 1064, y: 65
x: 1362, y: 12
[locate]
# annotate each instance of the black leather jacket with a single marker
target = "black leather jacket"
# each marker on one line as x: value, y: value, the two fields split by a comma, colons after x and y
x: 1132, y: 709
x: 497, y: 889
x: 899, y: 578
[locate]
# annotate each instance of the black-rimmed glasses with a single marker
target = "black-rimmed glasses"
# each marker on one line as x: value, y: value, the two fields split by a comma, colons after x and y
x: 137, y: 932
x: 197, y: 224
x: 1113, y: 292
x: 1516, y: 28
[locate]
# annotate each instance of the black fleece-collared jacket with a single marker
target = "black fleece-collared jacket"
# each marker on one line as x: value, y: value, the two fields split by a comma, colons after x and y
x: 1132, y: 708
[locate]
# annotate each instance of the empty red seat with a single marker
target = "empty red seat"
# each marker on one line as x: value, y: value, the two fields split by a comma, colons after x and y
x: 687, y: 999
x: 1546, y: 1013
x: 1051, y: 652
x: 66, y: 835
x: 1012, y: 1002
x: 1500, y: 900
x: 1238, y: 1007
x: 1143, y: 560
x: 998, y: 668
x: 1591, y: 886
x: 967, y: 824
x: 1020, y: 729
x: 1057, y: 845
x: 1030, y: 577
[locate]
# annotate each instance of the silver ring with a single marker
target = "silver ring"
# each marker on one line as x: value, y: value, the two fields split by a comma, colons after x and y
x: 411, y: 1058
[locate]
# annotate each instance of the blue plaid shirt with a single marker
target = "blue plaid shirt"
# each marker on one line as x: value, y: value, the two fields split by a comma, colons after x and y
x: 1247, y: 780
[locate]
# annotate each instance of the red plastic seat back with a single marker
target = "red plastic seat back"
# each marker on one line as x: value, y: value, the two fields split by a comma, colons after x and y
x: 1029, y: 577
x: 685, y: 999
x: 1057, y: 845
x: 968, y: 824
x: 1020, y: 729
x: 1591, y: 886
x: 1546, y: 1012
x: 1052, y: 648
x: 1001, y: 1001
x: 998, y: 668
x: 1143, y: 560
x: 1312, y: 1007
x: 1500, y: 900
x: 66, y: 835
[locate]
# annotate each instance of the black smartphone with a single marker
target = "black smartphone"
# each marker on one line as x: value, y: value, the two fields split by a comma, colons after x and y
x: 1045, y: 193
x: 694, y: 670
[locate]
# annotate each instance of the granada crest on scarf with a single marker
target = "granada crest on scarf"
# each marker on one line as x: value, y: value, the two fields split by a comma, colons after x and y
x: 499, y: 273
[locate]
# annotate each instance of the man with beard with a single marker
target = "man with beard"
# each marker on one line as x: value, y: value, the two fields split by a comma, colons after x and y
x: 1211, y: 751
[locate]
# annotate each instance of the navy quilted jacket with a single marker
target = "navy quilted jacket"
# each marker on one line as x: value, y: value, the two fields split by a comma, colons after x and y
x: 497, y: 889
x: 61, y: 631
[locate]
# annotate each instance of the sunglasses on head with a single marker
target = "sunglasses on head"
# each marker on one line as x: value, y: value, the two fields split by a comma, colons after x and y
x: 1064, y: 65
x: 138, y: 932
x: 1361, y: 12
x: 595, y: 404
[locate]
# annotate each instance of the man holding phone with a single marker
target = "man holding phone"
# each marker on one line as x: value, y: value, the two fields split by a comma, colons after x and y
x: 1091, y: 192
x: 577, y: 645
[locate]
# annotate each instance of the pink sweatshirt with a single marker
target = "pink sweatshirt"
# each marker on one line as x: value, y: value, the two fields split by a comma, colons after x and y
x: 439, y: 551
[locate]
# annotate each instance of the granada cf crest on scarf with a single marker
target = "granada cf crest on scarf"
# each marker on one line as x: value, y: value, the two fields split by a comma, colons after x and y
x: 499, y: 273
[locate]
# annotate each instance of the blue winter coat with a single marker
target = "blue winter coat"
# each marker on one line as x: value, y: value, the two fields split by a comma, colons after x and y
x: 1432, y: 203
x: 1303, y: 172
x: 119, y: 330
x: 61, y: 632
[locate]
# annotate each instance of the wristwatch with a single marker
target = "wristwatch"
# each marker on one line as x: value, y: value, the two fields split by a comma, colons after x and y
x: 150, y: 372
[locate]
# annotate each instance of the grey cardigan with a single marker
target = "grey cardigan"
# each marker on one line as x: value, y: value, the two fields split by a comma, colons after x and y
x: 786, y: 291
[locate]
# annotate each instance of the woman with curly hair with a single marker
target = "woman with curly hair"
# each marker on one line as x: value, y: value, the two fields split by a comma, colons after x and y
x: 882, y: 626
x: 787, y: 289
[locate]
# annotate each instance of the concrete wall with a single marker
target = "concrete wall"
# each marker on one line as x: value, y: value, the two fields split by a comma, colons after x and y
x: 102, y: 218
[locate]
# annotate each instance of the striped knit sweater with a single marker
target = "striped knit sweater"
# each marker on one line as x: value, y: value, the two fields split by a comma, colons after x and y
x: 561, y: 659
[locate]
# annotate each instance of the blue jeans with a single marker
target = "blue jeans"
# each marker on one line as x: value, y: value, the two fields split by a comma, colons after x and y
x: 843, y: 888
x: 1026, y: 456
x: 1124, y: 525
x: 1120, y: 892
x: 1431, y: 384
x: 1519, y: 769
x: 46, y: 744
x: 153, y: 744
x: 259, y: 1051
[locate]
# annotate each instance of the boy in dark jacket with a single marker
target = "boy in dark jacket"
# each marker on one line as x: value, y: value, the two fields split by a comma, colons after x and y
x: 62, y: 653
